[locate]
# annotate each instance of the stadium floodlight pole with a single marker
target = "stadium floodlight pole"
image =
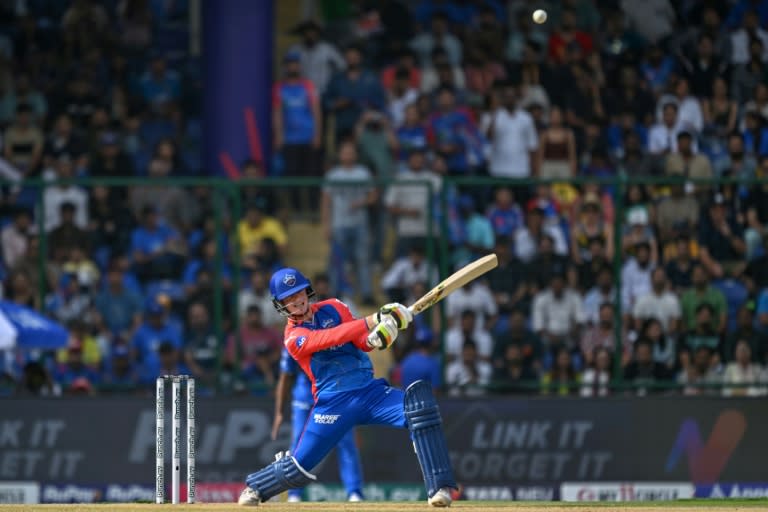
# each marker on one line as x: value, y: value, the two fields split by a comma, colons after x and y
x: 176, y: 440
x: 160, y: 440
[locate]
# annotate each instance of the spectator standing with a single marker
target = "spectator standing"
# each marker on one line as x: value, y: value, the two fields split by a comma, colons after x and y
x: 514, y: 141
x: 566, y: 35
x: 438, y: 36
x: 400, y: 95
x: 557, y: 148
x: 654, y: 20
x: 451, y: 132
x: 412, y: 134
x: 320, y: 60
x: 346, y: 199
x: 351, y: 92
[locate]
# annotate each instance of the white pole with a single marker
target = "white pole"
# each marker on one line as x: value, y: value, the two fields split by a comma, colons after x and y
x: 191, y: 440
x: 176, y: 441
x: 159, y: 440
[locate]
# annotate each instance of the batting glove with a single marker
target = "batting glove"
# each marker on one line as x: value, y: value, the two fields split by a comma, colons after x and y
x: 401, y: 314
x: 384, y: 334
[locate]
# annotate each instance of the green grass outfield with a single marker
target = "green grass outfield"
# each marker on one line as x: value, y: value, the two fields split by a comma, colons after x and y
x: 711, y: 505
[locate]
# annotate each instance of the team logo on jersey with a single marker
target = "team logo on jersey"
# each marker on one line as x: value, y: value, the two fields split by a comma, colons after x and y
x: 289, y: 279
x: 300, y: 341
x: 328, y: 322
x: 325, y: 419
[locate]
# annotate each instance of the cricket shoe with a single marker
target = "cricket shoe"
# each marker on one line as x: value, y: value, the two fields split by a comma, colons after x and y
x: 292, y: 498
x: 249, y: 498
x: 442, y: 498
x: 355, y: 496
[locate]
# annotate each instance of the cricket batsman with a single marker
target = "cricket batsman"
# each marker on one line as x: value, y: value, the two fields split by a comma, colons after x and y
x: 330, y: 345
x: 292, y: 378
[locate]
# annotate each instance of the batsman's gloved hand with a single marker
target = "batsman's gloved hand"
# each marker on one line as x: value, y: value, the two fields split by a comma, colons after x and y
x: 384, y: 334
x: 401, y: 314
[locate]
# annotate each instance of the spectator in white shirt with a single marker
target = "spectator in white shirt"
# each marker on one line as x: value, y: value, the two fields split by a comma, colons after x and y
x: 408, y: 201
x: 258, y: 295
x: 662, y: 138
x: 405, y: 272
x: 401, y: 95
x: 514, y: 141
x: 319, y: 59
x: 690, y: 116
x: 439, y: 36
x: 468, y: 330
x: 468, y: 375
x: 476, y: 297
x: 636, y: 275
x: 557, y: 313
x: 14, y: 238
x: 743, y: 371
x: 740, y: 38
x: 596, y: 380
x: 56, y: 195
x: 660, y: 303
x: 528, y: 237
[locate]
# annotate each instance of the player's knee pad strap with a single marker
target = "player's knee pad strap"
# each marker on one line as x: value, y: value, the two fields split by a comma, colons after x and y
x: 423, y: 417
x: 285, y: 473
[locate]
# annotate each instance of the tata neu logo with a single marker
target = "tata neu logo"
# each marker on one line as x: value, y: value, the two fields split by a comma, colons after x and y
x: 706, y: 461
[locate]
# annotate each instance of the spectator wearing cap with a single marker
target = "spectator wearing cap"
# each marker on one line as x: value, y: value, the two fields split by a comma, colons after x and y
x: 438, y: 36
x: 636, y: 274
x: 557, y: 314
x: 56, y: 195
x: 119, y: 307
x: 721, y: 238
x: 681, y: 259
x: 471, y: 233
x: 156, y: 329
x: 408, y: 201
x: 590, y: 225
x: 14, y: 237
x: 514, y: 141
x: 119, y: 373
x: 255, y: 226
x: 110, y: 161
x: 400, y: 95
x: 297, y: 121
x: 421, y: 363
x: 528, y: 238
x: 702, y: 292
x: 351, y: 92
x: 319, y: 59
x: 684, y: 162
x: 255, y: 347
x: 23, y: 141
x: 157, y: 249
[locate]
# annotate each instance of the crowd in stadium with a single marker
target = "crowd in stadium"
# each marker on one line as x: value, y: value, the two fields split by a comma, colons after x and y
x: 410, y: 94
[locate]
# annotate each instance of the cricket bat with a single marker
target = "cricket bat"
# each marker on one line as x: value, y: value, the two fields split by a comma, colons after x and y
x: 455, y: 281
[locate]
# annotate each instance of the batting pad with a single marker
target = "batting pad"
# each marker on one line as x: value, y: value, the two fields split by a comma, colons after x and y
x: 285, y: 473
x: 426, y: 426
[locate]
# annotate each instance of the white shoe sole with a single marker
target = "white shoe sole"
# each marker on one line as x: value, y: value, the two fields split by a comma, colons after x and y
x: 248, y: 498
x: 441, y: 498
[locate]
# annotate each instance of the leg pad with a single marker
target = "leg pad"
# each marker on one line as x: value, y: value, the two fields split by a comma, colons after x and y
x: 285, y: 473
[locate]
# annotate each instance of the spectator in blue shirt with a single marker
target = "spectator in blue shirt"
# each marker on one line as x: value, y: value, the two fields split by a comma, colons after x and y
x: 160, y: 85
x: 166, y: 360
x: 119, y: 307
x: 157, y: 248
x: 156, y: 329
x: 412, y: 135
x: 657, y: 68
x: 206, y: 261
x: 353, y: 91
x: 505, y: 214
x: 420, y: 363
x: 451, y: 132
x: 471, y: 233
x: 119, y: 373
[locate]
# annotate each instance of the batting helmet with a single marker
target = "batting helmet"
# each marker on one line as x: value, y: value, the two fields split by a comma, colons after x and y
x: 284, y: 283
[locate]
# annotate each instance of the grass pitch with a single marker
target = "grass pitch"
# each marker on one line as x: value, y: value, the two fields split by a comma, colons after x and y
x: 710, y: 505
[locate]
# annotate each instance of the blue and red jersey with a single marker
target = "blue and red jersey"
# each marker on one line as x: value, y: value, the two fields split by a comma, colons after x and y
x: 331, y: 348
x: 295, y: 100
x: 456, y: 128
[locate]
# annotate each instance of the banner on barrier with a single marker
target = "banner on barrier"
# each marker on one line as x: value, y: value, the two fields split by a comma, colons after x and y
x: 732, y: 490
x: 626, y: 491
x: 532, y: 442
x: 511, y: 493
x: 19, y: 492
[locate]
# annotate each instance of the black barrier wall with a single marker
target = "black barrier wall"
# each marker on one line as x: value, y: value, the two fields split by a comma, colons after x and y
x: 493, y: 442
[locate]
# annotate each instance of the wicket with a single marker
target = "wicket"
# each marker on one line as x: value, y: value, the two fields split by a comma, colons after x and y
x: 176, y: 453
